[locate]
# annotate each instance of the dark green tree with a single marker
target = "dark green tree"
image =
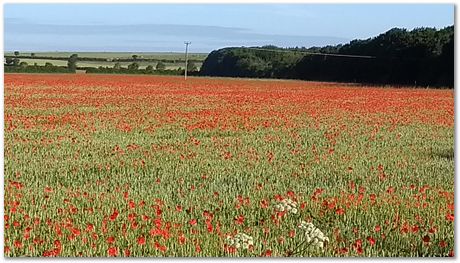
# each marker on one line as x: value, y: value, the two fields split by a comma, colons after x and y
x: 16, y: 61
x: 133, y: 66
x: 8, y: 61
x: 191, y: 66
x: 72, y: 63
x: 422, y: 57
x: 149, y: 69
x: 160, y: 66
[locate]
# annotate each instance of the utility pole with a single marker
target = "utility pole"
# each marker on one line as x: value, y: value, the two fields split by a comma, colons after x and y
x: 186, y: 57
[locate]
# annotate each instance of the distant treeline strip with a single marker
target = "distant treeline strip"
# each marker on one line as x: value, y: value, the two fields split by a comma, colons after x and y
x: 91, y: 70
x: 107, y: 60
x: 421, y: 57
x: 36, y: 69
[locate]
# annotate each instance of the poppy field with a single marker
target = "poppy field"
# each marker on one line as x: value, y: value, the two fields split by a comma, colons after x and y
x: 138, y: 166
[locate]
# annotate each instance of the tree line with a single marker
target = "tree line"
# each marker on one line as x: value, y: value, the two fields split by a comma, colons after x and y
x: 420, y: 57
x: 13, y: 64
x: 133, y: 68
x: 134, y: 58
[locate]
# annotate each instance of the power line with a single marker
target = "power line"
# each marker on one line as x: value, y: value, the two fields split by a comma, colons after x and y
x: 313, y: 53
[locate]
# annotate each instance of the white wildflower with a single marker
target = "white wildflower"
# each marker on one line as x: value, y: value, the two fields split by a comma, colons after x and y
x: 313, y: 235
x: 230, y: 241
x: 240, y: 240
x: 287, y: 205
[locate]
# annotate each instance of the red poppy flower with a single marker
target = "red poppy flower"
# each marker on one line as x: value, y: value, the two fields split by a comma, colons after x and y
x: 264, y: 203
x: 18, y: 244
x: 405, y: 229
x: 390, y: 190
x: 89, y: 227
x: 76, y: 231
x: 278, y: 198
x: 131, y: 204
x: 131, y: 217
x: 426, y: 239
x: 182, y: 239
x: 268, y: 253
x: 303, y: 205
x: 112, y: 251
x: 110, y: 240
x: 159, y: 212
x: 372, y: 197
x: 57, y: 243
x: 432, y: 230
x: 114, y: 215
x: 141, y: 240
x: 160, y: 247
x: 239, y: 220
x: 358, y: 243
x: 371, y: 241
x: 209, y: 228
x: 229, y: 249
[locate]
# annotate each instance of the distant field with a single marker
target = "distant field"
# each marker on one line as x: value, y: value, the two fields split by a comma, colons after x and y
x: 96, y: 64
x: 150, y: 55
x: 113, y: 55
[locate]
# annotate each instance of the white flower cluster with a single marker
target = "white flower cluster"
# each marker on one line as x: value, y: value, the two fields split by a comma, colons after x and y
x: 240, y: 240
x: 287, y: 205
x: 313, y: 235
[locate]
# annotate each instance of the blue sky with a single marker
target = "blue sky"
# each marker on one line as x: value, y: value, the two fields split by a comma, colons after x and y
x: 164, y: 27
